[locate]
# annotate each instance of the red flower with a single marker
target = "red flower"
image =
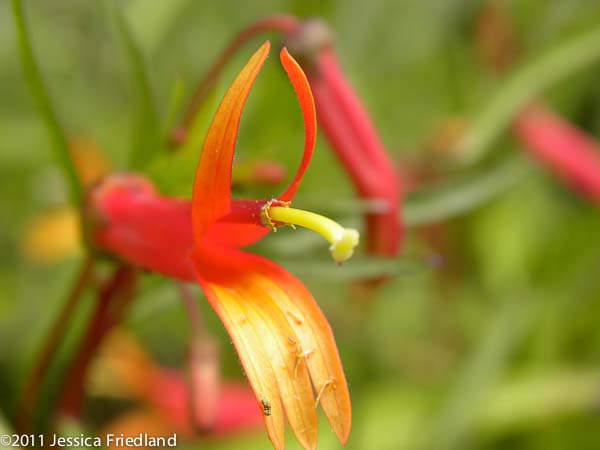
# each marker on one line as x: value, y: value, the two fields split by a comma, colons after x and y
x: 566, y: 150
x: 356, y: 142
x: 283, y: 339
x: 127, y: 370
x: 345, y: 121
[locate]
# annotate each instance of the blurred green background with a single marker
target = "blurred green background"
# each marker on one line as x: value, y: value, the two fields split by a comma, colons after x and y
x: 486, y: 336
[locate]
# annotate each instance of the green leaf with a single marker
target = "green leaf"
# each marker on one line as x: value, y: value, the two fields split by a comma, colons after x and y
x: 174, y: 172
x: 356, y: 268
x: 536, y: 398
x: 457, y: 197
x: 150, y: 21
x: 146, y: 135
x: 44, y: 105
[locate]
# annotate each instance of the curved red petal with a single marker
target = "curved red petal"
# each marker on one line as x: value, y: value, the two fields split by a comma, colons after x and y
x: 212, y: 185
x: 307, y: 104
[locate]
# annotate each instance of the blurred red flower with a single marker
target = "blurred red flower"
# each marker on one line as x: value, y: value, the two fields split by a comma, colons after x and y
x: 566, y: 150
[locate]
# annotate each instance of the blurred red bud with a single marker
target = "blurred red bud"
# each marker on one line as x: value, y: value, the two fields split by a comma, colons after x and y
x: 566, y: 150
x: 204, y: 381
x: 352, y: 134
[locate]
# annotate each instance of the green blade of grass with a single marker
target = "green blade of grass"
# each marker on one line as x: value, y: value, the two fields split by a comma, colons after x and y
x: 44, y: 105
x: 454, y: 198
x: 5, y: 430
x: 524, y: 86
x: 146, y: 135
x: 361, y: 268
x: 535, y: 398
x: 151, y: 21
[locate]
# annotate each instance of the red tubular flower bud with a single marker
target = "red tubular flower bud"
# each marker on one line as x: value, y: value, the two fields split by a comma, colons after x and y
x: 352, y: 135
x: 567, y: 151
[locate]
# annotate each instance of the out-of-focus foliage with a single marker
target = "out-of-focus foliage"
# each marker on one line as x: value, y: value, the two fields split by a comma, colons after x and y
x: 486, y: 336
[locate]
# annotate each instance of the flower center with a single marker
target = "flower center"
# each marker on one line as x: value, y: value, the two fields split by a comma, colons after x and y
x: 342, y: 240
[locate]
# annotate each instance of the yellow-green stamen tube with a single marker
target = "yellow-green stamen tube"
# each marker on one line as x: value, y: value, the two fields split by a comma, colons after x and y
x: 342, y: 240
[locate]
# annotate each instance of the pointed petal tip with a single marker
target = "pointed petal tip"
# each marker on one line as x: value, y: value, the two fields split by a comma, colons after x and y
x: 343, y: 434
x: 266, y: 46
x: 339, y: 417
x: 309, y: 114
x: 211, y: 198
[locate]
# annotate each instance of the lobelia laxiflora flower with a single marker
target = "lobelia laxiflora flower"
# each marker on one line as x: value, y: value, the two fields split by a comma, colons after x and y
x: 343, y: 119
x: 282, y: 338
x: 566, y: 150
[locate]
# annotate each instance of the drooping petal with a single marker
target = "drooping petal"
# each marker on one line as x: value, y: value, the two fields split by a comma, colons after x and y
x: 254, y: 294
x: 316, y: 340
x: 265, y: 342
x: 212, y: 185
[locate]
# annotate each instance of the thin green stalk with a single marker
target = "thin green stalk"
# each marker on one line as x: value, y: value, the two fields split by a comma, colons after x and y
x: 146, y: 135
x: 529, y: 400
x: 5, y: 430
x: 44, y: 105
x: 151, y: 21
x: 524, y: 86
x: 33, y: 384
x: 455, y: 198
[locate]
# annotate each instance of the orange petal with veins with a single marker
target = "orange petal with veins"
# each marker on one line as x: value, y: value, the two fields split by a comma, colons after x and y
x: 282, y: 338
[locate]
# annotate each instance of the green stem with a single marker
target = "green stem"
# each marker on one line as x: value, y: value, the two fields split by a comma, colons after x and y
x: 32, y: 385
x: 44, y: 105
x: 146, y: 137
x: 530, y: 400
x: 455, y: 198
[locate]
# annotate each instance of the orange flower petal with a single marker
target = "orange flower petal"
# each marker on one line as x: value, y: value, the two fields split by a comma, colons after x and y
x: 273, y: 321
x: 266, y: 344
x: 307, y: 103
x: 212, y: 185
x: 242, y: 234
x: 316, y: 340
